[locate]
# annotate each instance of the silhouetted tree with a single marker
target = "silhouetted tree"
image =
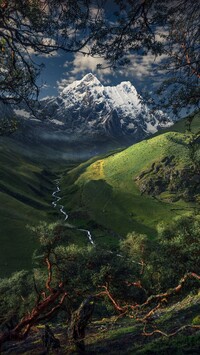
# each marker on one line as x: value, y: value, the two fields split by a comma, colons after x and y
x: 39, y: 27
x: 113, y: 30
x: 163, y: 28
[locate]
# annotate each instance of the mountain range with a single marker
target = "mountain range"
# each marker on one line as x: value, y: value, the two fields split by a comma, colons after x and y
x: 86, y: 113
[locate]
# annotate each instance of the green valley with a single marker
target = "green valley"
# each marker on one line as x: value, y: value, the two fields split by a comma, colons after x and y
x: 104, y: 194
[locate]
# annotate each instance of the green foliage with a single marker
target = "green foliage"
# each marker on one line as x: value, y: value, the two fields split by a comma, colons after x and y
x: 87, y: 269
x: 15, y: 295
x: 157, y: 264
x: 162, y: 262
x: 179, y: 248
x: 196, y: 320
x: 137, y: 246
x: 84, y: 270
x: 47, y: 234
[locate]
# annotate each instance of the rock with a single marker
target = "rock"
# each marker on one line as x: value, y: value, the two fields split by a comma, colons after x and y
x: 164, y: 176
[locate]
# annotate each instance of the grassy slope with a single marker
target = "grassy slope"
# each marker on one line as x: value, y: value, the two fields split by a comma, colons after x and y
x: 25, y: 194
x: 106, y: 189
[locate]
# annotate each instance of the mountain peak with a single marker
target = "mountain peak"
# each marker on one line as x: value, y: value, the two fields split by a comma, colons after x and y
x: 90, y: 78
x: 88, y: 81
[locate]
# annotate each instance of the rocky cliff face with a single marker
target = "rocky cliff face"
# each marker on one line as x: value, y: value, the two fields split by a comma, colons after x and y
x: 166, y: 177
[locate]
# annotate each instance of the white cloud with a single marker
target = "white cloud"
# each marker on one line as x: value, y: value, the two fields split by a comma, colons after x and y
x: 22, y: 113
x: 45, y: 86
x: 141, y: 69
x: 47, y: 97
x: 82, y: 64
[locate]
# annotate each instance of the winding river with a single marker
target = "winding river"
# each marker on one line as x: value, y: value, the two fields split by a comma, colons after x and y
x: 55, y: 204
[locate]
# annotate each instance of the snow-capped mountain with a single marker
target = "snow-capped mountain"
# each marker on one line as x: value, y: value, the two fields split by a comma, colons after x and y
x: 86, y: 106
x: 91, y: 117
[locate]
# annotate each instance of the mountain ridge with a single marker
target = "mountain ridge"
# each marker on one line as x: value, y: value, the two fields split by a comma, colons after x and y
x: 112, y: 110
x: 92, y: 116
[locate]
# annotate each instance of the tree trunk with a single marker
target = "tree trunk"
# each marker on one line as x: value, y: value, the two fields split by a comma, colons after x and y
x: 79, y: 322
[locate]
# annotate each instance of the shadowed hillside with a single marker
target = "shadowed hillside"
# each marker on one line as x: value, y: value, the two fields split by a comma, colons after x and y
x: 25, y: 192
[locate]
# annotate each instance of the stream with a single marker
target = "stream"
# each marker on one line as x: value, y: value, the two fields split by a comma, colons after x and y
x: 66, y: 216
